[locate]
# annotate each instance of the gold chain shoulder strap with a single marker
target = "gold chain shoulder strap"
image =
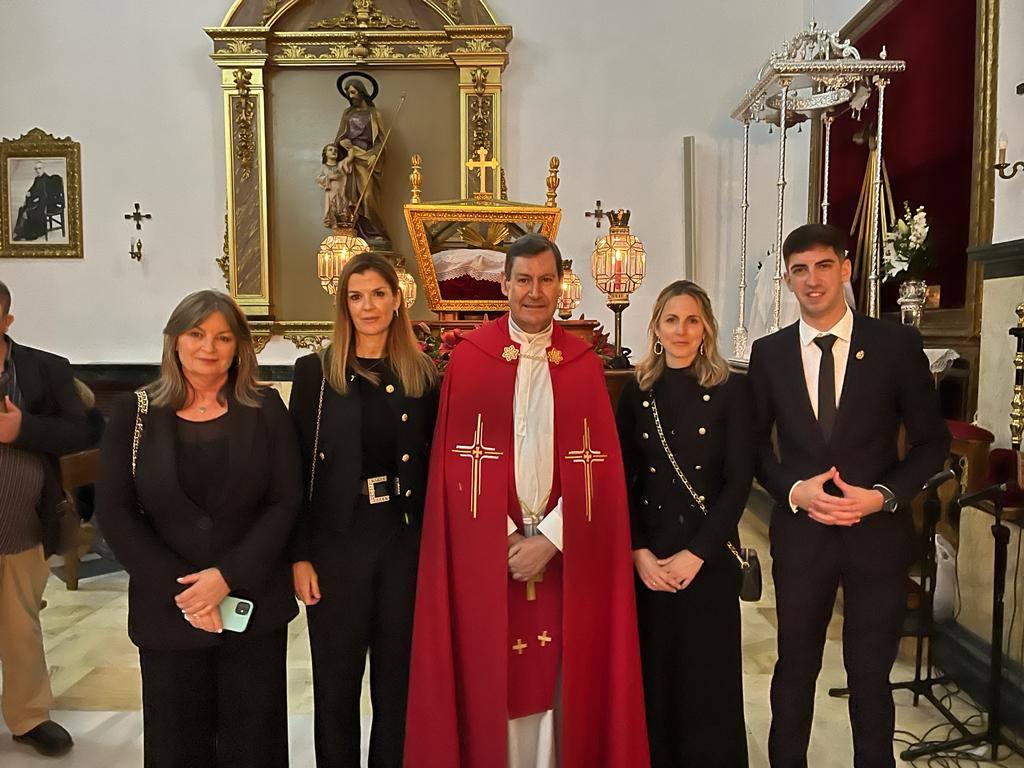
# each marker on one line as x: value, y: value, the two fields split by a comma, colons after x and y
x: 142, y: 397
x: 316, y: 437
x: 675, y: 465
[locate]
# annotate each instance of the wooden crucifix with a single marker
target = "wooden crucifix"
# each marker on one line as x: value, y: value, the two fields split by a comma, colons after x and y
x: 598, y: 213
x: 482, y: 163
x: 137, y: 216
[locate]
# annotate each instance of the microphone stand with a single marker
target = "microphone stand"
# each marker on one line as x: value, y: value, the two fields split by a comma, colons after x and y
x: 992, y: 735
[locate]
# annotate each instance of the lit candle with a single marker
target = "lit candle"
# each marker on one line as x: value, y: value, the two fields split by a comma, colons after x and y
x: 1002, y: 149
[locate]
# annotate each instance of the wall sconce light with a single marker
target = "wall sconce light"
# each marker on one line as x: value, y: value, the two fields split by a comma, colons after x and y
x: 135, y: 249
x: 1002, y: 165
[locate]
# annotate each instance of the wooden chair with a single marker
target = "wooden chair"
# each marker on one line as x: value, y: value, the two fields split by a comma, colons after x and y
x: 77, y: 470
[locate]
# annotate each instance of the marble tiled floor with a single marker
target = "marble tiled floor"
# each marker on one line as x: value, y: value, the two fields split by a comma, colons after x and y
x: 96, y: 680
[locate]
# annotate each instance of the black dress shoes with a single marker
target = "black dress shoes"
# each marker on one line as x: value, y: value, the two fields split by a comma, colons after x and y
x: 47, y: 739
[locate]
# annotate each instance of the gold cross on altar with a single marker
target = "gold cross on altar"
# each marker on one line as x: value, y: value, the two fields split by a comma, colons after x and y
x: 483, y: 164
x: 477, y: 453
x: 544, y: 638
x: 519, y: 647
x: 587, y: 456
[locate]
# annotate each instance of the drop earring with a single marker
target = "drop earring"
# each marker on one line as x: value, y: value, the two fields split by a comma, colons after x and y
x: 701, y: 350
x: 658, y: 347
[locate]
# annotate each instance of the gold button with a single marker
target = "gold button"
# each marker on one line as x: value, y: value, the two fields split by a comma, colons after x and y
x: 698, y: 467
x: 322, y: 457
x: 408, y: 494
x: 702, y: 431
x: 405, y: 457
x: 405, y: 417
x: 701, y: 498
x: 646, y: 404
x: 653, y: 470
x: 389, y: 388
x: 646, y: 435
x: 706, y: 398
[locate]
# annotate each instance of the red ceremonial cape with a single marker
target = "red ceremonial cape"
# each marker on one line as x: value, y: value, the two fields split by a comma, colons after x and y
x: 467, y: 606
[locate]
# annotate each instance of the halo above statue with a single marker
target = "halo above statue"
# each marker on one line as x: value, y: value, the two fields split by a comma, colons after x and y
x: 361, y: 77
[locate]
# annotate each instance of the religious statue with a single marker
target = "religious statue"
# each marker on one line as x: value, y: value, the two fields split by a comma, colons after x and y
x: 330, y: 181
x: 360, y: 144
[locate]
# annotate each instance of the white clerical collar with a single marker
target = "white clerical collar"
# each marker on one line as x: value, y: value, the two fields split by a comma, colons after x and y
x: 841, y: 330
x: 521, y: 337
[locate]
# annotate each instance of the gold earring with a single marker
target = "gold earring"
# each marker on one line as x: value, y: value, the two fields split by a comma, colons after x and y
x: 701, y: 350
x: 658, y: 347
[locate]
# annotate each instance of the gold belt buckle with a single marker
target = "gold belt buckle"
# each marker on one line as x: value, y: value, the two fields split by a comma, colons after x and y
x: 371, y: 482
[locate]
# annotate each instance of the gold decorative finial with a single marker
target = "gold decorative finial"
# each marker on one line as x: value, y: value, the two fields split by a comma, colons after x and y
x: 416, y: 178
x: 1020, y: 315
x: 553, y: 182
x: 504, y: 186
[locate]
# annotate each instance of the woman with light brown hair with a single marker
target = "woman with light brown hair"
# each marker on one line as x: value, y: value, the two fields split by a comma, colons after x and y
x: 197, y: 494
x: 684, y: 424
x: 365, y: 410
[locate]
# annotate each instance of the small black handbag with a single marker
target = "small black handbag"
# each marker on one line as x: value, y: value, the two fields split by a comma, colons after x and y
x: 750, y: 565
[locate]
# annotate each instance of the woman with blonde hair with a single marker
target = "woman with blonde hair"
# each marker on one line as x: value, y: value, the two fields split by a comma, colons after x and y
x: 198, y: 492
x: 365, y: 410
x: 684, y: 425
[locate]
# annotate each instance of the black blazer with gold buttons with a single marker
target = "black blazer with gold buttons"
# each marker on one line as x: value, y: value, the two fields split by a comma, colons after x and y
x: 159, y: 534
x: 709, y: 432
x: 338, y: 458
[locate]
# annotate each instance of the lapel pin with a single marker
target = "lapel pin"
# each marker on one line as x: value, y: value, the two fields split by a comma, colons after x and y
x: 860, y: 354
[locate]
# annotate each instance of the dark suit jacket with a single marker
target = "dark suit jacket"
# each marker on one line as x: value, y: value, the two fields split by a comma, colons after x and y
x: 159, y: 534
x: 886, y: 386
x: 53, y: 423
x: 339, y: 455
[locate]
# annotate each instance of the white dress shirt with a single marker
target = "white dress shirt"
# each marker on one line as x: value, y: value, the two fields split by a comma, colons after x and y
x: 810, y: 355
x: 533, y: 416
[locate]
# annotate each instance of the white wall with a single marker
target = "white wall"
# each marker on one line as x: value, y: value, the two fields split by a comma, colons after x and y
x: 995, y: 386
x: 146, y: 108
x: 611, y: 94
x: 1009, y: 218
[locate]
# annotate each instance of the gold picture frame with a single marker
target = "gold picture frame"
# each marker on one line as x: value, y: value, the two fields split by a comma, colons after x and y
x: 40, y: 197
x: 429, y: 221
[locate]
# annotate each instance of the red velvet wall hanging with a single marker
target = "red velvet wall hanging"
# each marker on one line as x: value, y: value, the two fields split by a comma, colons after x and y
x: 927, y: 133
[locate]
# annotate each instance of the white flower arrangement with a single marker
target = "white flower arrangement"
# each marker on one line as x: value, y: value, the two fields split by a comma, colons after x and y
x: 905, y: 249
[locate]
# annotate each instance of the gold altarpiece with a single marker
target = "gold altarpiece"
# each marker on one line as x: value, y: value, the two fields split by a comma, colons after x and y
x: 278, y: 60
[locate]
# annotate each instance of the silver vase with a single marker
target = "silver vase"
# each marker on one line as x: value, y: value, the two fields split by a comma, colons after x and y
x: 911, y: 301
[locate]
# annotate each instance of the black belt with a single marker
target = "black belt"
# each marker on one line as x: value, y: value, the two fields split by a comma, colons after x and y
x: 380, y: 488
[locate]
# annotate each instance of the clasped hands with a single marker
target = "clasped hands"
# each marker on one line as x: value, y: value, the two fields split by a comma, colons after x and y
x: 669, y: 574
x: 10, y: 422
x: 847, y: 510
x: 528, y: 556
x: 200, y: 603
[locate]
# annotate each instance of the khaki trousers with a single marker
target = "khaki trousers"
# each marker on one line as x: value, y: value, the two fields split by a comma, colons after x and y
x: 26, y: 698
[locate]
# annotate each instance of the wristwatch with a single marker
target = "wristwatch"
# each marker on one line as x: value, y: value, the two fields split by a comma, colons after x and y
x: 889, y: 502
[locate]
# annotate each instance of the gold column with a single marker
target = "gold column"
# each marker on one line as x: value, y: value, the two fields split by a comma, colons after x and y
x: 242, y: 80
x: 479, y: 106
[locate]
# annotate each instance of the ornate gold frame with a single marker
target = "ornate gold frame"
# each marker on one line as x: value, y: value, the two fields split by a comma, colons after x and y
x: 38, y: 143
x: 247, y: 54
x: 417, y: 215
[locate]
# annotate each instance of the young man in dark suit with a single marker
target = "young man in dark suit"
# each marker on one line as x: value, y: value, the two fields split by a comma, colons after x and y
x: 41, y: 418
x: 836, y: 386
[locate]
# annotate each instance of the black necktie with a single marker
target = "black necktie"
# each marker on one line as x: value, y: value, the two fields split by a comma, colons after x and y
x: 826, y: 385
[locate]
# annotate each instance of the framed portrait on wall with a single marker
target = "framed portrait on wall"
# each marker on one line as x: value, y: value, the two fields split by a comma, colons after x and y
x: 40, y: 197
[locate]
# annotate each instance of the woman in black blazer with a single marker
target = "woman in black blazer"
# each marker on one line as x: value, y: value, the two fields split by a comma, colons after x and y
x: 688, y: 579
x: 365, y: 411
x: 198, y: 491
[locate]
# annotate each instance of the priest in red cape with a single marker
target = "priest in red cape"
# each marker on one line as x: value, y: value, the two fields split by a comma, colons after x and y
x: 525, y: 639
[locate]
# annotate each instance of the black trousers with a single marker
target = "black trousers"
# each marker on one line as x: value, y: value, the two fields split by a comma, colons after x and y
x: 368, y: 592
x: 874, y: 605
x: 693, y: 671
x: 223, y: 707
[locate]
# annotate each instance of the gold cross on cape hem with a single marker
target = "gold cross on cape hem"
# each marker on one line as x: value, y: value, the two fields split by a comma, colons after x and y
x: 587, y: 456
x: 477, y: 453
